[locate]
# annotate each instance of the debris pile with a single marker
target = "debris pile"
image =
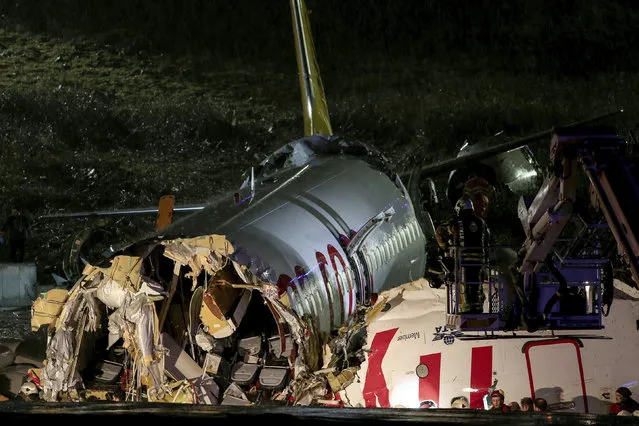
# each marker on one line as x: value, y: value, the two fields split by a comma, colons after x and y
x: 180, y: 321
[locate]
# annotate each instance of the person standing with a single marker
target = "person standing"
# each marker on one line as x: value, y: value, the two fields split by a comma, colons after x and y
x: 15, y: 230
x: 472, y: 242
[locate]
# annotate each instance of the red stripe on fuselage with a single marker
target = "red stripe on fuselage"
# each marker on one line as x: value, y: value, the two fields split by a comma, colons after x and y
x: 321, y: 261
x: 375, y: 389
x: 481, y: 374
x: 429, y: 385
x: 334, y: 254
x: 283, y: 282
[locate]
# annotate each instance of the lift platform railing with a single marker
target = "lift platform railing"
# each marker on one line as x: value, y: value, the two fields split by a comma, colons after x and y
x: 476, y: 294
x: 483, y: 295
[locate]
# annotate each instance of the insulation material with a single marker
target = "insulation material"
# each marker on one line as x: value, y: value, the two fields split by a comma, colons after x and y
x: 90, y: 309
x: 57, y: 295
x: 205, y: 341
x: 206, y: 253
x: 58, y: 368
x: 178, y: 393
x: 61, y: 369
x: 214, y: 243
x: 112, y: 293
x: 47, y: 308
x: 307, y: 388
x: 152, y: 289
x: 141, y: 313
x: 125, y: 270
x: 223, y: 308
x: 116, y: 327
x: 340, y: 381
x: 244, y: 273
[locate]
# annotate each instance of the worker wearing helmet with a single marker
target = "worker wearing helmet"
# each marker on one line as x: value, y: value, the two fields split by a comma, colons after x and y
x: 481, y: 193
x: 497, y: 400
x: 477, y: 193
x: 502, y: 259
x: 471, y: 242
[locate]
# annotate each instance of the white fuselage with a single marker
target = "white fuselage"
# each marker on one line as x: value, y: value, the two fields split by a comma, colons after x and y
x: 582, y: 367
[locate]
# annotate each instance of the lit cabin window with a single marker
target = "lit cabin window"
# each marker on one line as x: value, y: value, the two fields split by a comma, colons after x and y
x: 407, y: 236
x: 378, y: 257
x: 387, y: 250
x: 370, y: 260
x: 397, y: 246
x: 414, y: 230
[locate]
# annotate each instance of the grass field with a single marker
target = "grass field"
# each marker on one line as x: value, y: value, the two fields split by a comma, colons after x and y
x: 87, y: 125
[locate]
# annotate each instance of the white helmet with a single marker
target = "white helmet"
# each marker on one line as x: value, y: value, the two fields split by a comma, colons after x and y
x: 29, y: 388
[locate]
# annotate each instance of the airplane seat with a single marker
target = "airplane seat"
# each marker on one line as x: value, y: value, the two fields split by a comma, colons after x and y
x: 244, y: 374
x: 273, y: 377
x: 263, y: 361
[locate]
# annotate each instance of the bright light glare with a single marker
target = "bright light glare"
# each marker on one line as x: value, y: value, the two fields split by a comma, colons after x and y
x: 406, y: 393
x: 526, y: 174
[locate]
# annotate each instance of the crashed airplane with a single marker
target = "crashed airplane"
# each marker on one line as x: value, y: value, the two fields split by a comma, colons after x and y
x: 294, y: 293
x: 178, y: 313
x: 225, y: 297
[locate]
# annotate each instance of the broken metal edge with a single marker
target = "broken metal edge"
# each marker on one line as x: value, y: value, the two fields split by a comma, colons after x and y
x: 128, y: 299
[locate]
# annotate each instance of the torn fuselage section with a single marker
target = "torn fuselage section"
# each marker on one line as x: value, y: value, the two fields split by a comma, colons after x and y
x: 175, y: 321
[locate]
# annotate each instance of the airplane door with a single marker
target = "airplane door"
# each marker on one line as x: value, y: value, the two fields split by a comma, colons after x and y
x: 555, y: 372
